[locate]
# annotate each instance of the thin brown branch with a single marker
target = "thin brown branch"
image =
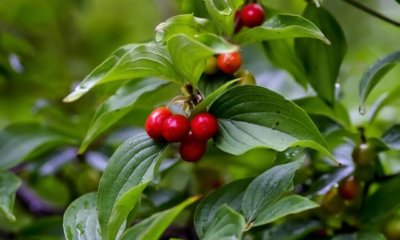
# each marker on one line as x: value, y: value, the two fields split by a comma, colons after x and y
x: 372, y: 12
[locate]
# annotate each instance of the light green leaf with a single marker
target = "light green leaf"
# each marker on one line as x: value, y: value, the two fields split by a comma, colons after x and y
x: 202, y: 106
x: 231, y: 194
x: 252, y: 116
x: 222, y: 13
x: 322, y: 62
x: 375, y: 73
x: 385, y: 99
x: 117, y: 106
x: 316, y: 106
x: 267, y: 188
x: 382, y: 202
x: 24, y: 141
x: 281, y: 26
x: 80, y: 219
x: 190, y: 54
x: 153, y: 227
x: 9, y: 184
x: 129, y: 62
x: 282, y: 55
x: 128, y: 172
x: 283, y: 207
x: 227, y: 224
x: 392, y: 137
x: 362, y: 235
x: 183, y: 24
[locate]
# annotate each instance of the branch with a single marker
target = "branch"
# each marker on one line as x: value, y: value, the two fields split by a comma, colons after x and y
x: 372, y: 12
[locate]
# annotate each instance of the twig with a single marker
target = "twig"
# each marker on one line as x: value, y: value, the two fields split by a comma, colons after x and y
x: 372, y: 12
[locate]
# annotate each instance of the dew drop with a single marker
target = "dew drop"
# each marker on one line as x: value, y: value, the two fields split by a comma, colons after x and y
x: 361, y: 109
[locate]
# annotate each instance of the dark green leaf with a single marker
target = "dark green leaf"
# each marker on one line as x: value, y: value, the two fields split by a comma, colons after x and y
x: 281, y: 26
x: 183, y: 24
x: 392, y: 137
x: 210, y: 83
x: 362, y: 235
x: 282, y: 55
x: 23, y: 141
x: 9, y: 184
x: 80, y: 219
x: 252, y: 116
x: 128, y: 172
x: 322, y: 62
x: 267, y: 188
x: 285, y: 206
x: 375, y: 73
x: 230, y: 194
x: 190, y: 54
x: 316, y: 106
x: 382, y: 202
x: 227, y: 224
x: 153, y: 227
x: 222, y: 14
x: 292, y: 229
x: 129, y: 62
x: 117, y: 106
x: 202, y: 106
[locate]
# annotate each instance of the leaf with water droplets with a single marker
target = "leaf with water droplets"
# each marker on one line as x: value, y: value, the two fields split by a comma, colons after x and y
x: 80, y: 219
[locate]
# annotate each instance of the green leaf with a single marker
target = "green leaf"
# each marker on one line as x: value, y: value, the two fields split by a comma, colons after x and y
x: 153, y: 227
x: 375, y: 73
x: 129, y: 62
x: 190, y: 54
x: 23, y: 141
x: 117, y: 106
x: 222, y: 13
x: 316, y: 106
x: 362, y: 235
x: 9, y: 184
x: 282, y: 55
x: 252, y: 116
x: 183, y: 24
x: 128, y: 172
x: 322, y: 62
x: 210, y: 83
x: 80, y: 219
x: 227, y: 224
x: 385, y: 99
x: 231, y: 194
x: 392, y: 137
x: 283, y: 207
x: 202, y: 106
x: 267, y: 188
x: 382, y: 202
x: 292, y: 229
x: 281, y: 26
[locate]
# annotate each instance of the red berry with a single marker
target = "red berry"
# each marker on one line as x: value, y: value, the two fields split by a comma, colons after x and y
x: 204, y: 126
x: 192, y: 149
x: 348, y: 189
x: 154, y: 122
x: 229, y: 63
x: 238, y: 21
x: 175, y: 128
x: 252, y: 15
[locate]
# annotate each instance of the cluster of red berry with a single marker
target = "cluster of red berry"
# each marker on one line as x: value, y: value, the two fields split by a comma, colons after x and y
x: 251, y: 15
x: 163, y: 125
